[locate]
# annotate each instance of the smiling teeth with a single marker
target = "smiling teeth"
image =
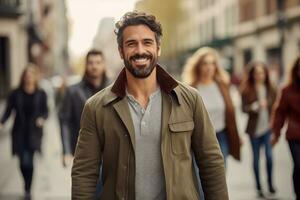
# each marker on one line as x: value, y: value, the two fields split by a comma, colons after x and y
x: 141, y: 59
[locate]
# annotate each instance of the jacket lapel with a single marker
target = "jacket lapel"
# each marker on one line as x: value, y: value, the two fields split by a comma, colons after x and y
x: 123, y: 111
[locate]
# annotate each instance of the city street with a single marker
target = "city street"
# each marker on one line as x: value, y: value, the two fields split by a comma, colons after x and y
x: 51, y: 45
x: 52, y: 181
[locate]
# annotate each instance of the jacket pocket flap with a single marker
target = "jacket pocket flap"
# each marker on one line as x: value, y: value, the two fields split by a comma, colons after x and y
x: 182, y: 126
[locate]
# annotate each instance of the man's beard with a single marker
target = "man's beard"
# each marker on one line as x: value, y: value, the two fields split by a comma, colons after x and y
x: 141, y: 72
x: 91, y: 76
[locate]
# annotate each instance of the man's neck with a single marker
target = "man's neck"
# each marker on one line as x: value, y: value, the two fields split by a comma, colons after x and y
x: 141, y: 89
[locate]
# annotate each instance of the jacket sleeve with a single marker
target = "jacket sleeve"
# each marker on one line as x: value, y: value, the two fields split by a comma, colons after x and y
x: 208, y: 155
x: 65, y: 114
x: 9, y: 108
x: 86, y: 165
x: 279, y: 114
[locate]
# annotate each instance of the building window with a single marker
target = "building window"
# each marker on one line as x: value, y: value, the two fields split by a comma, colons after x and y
x: 273, y: 62
x: 290, y: 3
x: 271, y: 7
x: 247, y: 10
x: 213, y: 28
x: 247, y: 55
x: 4, y: 66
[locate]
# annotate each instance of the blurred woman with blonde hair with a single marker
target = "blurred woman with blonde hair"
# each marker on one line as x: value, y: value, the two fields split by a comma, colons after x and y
x: 203, y: 72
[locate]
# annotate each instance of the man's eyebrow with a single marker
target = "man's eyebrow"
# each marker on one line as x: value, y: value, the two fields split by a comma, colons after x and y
x: 148, y: 39
x: 130, y: 40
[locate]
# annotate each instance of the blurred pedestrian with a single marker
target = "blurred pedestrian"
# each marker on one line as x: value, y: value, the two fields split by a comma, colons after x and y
x: 29, y: 103
x: 203, y: 72
x: 60, y: 94
x: 258, y: 97
x: 75, y: 96
x: 144, y: 128
x: 287, y: 110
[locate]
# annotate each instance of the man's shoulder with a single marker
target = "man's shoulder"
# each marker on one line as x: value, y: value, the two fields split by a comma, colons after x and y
x: 187, y: 90
x: 75, y: 86
x: 100, y: 98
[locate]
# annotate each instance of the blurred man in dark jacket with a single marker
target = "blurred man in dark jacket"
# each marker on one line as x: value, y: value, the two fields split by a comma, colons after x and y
x: 94, y: 80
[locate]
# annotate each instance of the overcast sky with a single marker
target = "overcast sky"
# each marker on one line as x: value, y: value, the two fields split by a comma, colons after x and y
x: 85, y: 15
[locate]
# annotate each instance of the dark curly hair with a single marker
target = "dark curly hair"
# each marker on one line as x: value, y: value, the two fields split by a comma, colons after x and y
x: 137, y: 18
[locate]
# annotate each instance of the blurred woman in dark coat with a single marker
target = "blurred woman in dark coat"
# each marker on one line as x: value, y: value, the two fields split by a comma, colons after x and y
x: 29, y: 104
x: 287, y: 110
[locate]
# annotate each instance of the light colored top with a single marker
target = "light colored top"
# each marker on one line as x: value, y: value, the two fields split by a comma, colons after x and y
x: 263, y: 115
x: 149, y: 178
x: 214, y: 104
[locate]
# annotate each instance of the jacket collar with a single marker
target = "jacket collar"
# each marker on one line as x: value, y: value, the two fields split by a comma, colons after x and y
x: 166, y: 82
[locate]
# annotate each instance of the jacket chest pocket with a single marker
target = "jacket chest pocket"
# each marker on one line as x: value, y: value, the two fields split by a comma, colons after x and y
x: 181, y: 133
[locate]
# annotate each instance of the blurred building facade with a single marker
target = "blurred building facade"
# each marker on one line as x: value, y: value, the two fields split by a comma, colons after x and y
x: 241, y: 30
x: 106, y: 41
x: 32, y: 31
x: 13, y: 43
x: 244, y: 30
x: 209, y: 23
x: 268, y: 30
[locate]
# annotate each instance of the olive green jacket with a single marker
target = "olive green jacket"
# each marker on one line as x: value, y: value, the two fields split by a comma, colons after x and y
x: 107, y: 134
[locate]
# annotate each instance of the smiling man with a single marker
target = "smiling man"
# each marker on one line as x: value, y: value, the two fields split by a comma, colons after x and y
x: 145, y: 129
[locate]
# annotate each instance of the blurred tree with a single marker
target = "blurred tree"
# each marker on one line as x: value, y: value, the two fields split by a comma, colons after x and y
x: 170, y: 14
x: 78, y: 65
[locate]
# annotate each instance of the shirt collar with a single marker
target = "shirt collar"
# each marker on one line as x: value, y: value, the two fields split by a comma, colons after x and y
x: 166, y: 83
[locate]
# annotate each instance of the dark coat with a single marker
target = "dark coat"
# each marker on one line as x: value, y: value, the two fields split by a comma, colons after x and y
x: 230, y: 121
x: 70, y: 112
x: 15, y: 103
x: 287, y: 109
x: 249, y: 96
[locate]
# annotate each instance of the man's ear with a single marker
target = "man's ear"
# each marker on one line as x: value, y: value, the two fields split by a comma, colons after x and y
x: 121, y: 52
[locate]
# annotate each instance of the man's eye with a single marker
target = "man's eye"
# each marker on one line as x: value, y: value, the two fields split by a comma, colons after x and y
x: 130, y: 44
x: 148, y: 42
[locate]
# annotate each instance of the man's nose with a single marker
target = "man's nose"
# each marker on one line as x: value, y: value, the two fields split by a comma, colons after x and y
x: 140, y: 48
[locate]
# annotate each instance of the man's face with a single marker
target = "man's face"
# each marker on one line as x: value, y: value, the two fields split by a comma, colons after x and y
x: 95, y: 66
x: 140, y: 50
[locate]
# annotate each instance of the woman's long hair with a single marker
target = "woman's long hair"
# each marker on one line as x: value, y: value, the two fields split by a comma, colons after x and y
x: 248, y: 81
x: 33, y: 68
x: 293, y: 75
x: 191, y: 70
